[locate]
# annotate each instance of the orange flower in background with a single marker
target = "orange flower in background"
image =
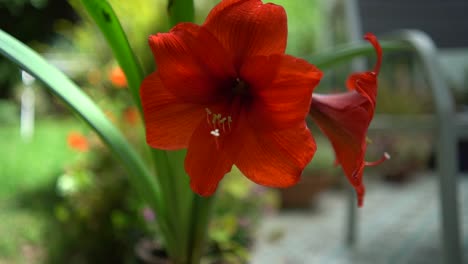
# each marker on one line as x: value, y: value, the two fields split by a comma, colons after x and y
x: 131, y: 115
x: 226, y: 91
x: 117, y: 77
x: 345, y: 117
x: 77, y: 142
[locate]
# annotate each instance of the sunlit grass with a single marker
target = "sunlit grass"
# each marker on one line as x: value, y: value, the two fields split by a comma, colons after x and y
x: 27, y: 168
x: 26, y: 164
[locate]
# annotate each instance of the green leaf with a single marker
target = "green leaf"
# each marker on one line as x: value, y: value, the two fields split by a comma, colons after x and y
x: 84, y: 107
x: 107, y: 21
x: 104, y: 16
x: 349, y: 51
x: 180, y: 11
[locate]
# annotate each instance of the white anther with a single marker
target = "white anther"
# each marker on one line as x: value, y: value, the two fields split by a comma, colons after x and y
x: 386, y: 155
x: 215, y: 132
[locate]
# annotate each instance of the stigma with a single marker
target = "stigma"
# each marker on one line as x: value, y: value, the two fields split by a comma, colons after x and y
x: 384, y: 157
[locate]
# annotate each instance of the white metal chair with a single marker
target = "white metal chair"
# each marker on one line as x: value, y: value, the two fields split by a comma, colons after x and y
x: 448, y: 125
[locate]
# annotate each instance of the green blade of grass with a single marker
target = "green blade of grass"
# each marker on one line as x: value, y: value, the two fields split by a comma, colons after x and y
x: 107, y: 21
x: 346, y: 52
x: 85, y: 108
x: 104, y: 16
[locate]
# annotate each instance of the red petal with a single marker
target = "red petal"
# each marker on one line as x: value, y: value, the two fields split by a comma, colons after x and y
x: 274, y: 159
x: 281, y: 86
x: 169, y: 121
x: 374, y: 41
x: 192, y: 64
x: 205, y: 163
x: 249, y: 28
x: 345, y: 118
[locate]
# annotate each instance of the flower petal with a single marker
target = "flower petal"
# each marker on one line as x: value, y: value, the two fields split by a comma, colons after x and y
x: 248, y: 28
x: 281, y: 86
x: 344, y: 118
x: 192, y: 64
x: 274, y: 159
x: 205, y: 163
x: 169, y: 121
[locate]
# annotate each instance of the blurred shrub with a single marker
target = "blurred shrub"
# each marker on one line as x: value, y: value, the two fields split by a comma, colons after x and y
x: 31, y: 21
x: 8, y: 112
x: 96, y: 218
x: 239, y: 209
x: 305, y: 23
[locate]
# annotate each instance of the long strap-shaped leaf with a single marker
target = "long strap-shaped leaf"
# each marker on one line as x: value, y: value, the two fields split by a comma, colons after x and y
x: 348, y: 51
x: 105, y: 17
x: 171, y: 178
x: 80, y: 103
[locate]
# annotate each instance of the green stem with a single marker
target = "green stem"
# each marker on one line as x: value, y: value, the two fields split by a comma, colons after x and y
x: 201, y: 213
x: 110, y: 26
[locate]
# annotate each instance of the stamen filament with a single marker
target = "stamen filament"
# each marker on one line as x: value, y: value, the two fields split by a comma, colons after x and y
x: 384, y: 157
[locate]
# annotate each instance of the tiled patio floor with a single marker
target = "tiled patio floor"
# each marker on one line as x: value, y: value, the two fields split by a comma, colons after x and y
x: 398, y: 224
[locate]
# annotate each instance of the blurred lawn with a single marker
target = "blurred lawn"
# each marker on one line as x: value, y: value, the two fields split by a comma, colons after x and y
x: 27, y: 172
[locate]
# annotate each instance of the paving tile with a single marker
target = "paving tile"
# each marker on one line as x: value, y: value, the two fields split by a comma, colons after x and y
x: 398, y: 224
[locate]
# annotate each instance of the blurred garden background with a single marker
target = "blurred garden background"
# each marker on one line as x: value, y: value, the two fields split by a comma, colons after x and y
x: 64, y: 198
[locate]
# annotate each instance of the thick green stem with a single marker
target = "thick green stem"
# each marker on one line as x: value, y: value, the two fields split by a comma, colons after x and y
x: 201, y: 213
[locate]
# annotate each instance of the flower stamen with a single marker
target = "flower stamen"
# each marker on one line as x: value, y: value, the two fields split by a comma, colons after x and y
x: 218, y: 122
x: 208, y: 113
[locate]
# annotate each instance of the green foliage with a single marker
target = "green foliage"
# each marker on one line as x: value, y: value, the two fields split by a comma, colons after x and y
x: 180, y: 11
x: 100, y: 219
x: 26, y: 164
x: 15, y: 5
x: 237, y: 212
x: 26, y: 167
x: 85, y: 108
x: 8, y: 112
x: 105, y: 17
x: 305, y: 25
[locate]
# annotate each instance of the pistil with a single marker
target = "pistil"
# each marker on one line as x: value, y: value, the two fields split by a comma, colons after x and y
x: 240, y: 88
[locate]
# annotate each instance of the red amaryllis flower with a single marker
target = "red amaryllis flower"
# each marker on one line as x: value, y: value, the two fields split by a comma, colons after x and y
x: 227, y: 92
x: 345, y: 117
